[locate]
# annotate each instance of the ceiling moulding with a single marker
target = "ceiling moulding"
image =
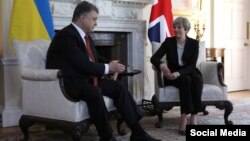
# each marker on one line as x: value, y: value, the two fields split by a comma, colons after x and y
x: 132, y: 3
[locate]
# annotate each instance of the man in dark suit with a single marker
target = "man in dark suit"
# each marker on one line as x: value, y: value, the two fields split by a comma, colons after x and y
x: 76, y: 56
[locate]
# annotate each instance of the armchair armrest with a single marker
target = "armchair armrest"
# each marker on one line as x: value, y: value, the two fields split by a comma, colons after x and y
x: 43, y: 75
x: 159, y: 82
x: 159, y: 77
x: 212, y: 73
x: 40, y: 74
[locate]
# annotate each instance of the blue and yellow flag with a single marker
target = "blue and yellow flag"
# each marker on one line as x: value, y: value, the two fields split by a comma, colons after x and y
x: 31, y: 20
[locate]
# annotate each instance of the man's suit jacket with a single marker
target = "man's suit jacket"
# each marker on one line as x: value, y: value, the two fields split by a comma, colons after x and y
x: 189, y: 57
x: 68, y: 53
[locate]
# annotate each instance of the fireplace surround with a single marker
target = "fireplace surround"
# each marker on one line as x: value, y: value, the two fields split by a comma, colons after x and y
x: 113, y: 46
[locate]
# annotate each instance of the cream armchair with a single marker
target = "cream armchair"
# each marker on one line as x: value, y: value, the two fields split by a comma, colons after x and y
x: 44, y: 99
x: 214, y: 90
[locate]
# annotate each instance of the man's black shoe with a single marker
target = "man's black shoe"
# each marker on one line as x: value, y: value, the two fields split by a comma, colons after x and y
x: 111, y: 139
x: 145, y: 137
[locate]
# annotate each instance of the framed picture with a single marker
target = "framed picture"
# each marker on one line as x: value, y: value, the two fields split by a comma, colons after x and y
x: 186, y: 7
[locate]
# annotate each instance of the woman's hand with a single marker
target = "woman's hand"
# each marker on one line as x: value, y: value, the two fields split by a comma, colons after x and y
x: 175, y: 75
x: 164, y: 68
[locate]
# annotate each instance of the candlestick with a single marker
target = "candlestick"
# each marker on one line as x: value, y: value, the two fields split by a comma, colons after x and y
x: 199, y: 32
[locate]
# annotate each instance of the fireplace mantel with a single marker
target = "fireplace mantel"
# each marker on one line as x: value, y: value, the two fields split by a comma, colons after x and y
x: 123, y: 3
x: 110, y: 22
x: 132, y: 3
x: 123, y: 9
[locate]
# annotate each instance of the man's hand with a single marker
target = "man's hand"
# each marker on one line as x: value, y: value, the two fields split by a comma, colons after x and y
x: 115, y: 66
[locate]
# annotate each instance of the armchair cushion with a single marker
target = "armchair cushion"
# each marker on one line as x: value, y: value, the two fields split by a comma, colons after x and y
x: 209, y: 93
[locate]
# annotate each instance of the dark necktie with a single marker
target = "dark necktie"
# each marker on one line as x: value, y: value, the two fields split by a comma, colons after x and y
x: 91, y: 55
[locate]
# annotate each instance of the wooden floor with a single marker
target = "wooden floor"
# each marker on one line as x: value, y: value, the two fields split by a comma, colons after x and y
x: 231, y: 96
x: 238, y: 95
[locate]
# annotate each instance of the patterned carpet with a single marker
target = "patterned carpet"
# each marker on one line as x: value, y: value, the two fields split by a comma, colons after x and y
x: 168, y: 132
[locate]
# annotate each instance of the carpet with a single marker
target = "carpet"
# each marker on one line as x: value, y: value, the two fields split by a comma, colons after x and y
x: 168, y: 132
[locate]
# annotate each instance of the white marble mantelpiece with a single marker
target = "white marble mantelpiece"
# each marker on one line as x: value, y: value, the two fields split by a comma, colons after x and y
x: 113, y: 19
x: 123, y: 3
x: 131, y: 3
x: 128, y: 9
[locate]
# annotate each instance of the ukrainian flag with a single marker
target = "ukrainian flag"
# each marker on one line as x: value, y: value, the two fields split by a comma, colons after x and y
x: 31, y: 20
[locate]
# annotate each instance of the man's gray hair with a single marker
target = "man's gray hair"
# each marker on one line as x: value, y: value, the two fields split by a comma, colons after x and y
x: 83, y: 7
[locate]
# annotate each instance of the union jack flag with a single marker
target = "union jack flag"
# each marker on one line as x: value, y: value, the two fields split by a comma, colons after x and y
x: 160, y: 23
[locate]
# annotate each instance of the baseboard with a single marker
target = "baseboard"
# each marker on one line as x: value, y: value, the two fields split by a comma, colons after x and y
x: 10, y: 116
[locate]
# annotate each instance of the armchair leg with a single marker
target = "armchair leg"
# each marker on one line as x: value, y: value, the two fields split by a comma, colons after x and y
x: 76, y: 133
x: 158, y: 110
x: 227, y: 105
x: 228, y: 111
x: 159, y: 123
x: 24, y: 124
x: 74, y: 130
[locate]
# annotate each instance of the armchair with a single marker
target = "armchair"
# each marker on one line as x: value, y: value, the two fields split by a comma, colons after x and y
x: 44, y: 99
x: 214, y: 90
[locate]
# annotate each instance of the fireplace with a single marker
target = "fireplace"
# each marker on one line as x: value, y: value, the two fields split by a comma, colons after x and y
x: 113, y: 46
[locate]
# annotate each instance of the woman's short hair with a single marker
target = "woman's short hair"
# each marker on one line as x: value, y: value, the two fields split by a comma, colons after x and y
x: 182, y: 21
x: 82, y: 8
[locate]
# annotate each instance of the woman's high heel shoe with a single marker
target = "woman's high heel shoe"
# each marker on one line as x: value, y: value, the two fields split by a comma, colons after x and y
x: 183, y: 123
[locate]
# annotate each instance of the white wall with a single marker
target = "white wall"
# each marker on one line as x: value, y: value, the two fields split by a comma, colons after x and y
x: 10, y: 90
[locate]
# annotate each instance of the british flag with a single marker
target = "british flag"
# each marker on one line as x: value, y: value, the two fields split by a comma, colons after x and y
x: 160, y: 22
